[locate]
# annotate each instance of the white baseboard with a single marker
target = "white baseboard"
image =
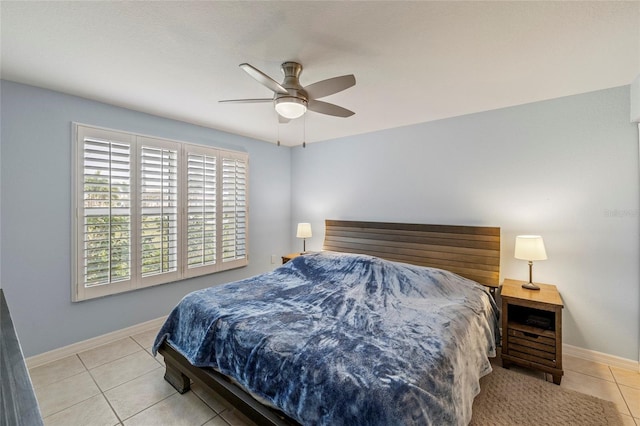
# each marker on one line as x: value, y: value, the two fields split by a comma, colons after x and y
x: 612, y: 360
x: 65, y: 351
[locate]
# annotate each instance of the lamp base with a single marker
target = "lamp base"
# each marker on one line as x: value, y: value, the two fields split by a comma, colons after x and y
x: 530, y: 286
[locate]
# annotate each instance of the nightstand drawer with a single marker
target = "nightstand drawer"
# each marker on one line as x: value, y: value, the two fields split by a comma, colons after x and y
x: 543, y: 351
x: 534, y: 339
x: 533, y: 345
x: 532, y: 355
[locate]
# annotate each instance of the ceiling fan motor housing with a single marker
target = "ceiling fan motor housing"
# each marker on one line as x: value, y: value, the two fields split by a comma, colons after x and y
x: 292, y: 71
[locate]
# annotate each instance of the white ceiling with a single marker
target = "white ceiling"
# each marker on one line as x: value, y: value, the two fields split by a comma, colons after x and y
x: 413, y: 61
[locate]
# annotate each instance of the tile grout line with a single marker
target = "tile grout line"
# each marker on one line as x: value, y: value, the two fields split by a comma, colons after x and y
x: 101, y: 391
x: 217, y: 414
x: 149, y: 406
x: 127, y: 381
x: 59, y: 380
x: 615, y: 381
x: 121, y: 421
x: 79, y: 402
x: 622, y: 395
x: 115, y: 359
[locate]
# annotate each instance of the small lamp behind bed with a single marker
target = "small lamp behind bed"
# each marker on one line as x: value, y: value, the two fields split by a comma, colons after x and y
x: 530, y: 247
x: 304, y: 232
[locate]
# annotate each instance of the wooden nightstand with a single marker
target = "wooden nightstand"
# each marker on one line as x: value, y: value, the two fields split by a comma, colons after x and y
x: 290, y: 256
x: 532, y: 327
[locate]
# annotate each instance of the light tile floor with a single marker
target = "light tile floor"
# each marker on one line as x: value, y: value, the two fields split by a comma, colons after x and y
x: 122, y: 384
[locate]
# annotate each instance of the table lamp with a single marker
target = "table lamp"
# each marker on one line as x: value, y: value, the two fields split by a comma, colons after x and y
x: 530, y: 247
x: 304, y: 232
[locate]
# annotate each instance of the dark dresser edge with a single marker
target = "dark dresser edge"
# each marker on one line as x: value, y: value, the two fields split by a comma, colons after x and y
x: 18, y: 400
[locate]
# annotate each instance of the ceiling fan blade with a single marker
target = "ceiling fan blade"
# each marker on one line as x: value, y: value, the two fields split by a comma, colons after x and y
x: 263, y: 79
x: 246, y: 101
x: 330, y: 86
x: 329, y: 109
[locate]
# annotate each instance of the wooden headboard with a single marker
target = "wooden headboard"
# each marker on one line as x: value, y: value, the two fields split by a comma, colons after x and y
x: 470, y: 251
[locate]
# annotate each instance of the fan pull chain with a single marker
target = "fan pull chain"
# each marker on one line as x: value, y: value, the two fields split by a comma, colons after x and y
x: 278, y: 127
x: 304, y: 131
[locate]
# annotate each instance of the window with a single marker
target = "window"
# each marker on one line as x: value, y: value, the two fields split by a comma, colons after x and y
x: 150, y: 211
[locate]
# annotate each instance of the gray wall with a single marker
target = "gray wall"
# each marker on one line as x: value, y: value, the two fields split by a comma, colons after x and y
x: 635, y: 100
x: 566, y: 169
x: 36, y: 215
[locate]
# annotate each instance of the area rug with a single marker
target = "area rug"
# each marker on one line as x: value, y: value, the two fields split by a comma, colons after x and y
x: 511, y: 398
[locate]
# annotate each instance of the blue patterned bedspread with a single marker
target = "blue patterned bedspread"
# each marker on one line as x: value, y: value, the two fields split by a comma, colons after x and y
x: 345, y: 339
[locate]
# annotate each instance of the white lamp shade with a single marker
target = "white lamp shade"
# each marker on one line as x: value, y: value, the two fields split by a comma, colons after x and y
x: 530, y: 247
x: 304, y: 230
x: 290, y: 107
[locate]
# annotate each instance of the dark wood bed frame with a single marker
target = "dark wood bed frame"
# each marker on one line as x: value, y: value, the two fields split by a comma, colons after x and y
x: 470, y: 251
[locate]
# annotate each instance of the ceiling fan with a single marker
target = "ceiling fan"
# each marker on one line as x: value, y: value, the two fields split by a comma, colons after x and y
x: 291, y: 99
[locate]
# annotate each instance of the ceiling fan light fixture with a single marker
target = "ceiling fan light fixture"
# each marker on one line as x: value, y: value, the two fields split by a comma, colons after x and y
x: 291, y: 107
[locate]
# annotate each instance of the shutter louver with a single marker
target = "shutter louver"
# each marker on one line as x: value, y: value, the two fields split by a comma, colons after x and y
x: 201, y: 210
x: 234, y: 209
x: 159, y: 210
x: 106, y: 212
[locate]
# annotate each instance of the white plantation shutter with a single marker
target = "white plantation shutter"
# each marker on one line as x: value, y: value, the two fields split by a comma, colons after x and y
x: 201, y: 210
x: 107, y: 212
x: 150, y: 211
x: 217, y: 210
x: 103, y: 212
x: 234, y: 208
x: 158, y: 162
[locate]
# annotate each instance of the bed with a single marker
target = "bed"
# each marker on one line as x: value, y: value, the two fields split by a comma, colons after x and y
x: 361, y: 333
